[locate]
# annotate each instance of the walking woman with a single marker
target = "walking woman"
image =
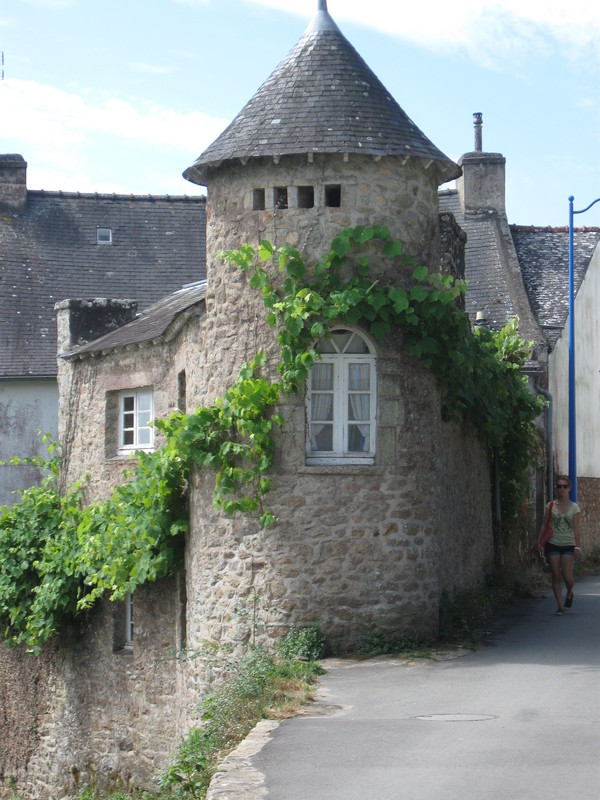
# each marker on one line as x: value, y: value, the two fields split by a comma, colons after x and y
x: 565, y: 544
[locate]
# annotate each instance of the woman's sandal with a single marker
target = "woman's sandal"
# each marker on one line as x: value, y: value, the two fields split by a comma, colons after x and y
x: 559, y: 612
x: 569, y: 600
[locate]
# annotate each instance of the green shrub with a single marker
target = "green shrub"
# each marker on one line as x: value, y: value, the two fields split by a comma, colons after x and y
x: 308, y: 643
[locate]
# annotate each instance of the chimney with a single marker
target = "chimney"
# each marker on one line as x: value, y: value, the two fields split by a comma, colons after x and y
x: 13, y: 181
x: 478, y: 123
x: 482, y: 185
x: 81, y: 321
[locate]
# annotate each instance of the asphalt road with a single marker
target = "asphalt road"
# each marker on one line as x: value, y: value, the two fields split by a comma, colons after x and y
x: 518, y: 720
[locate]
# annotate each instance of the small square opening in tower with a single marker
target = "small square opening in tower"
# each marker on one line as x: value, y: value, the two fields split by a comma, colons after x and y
x: 280, y: 197
x: 258, y: 200
x: 306, y: 197
x: 333, y: 195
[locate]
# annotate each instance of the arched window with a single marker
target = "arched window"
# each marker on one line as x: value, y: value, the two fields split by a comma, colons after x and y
x: 341, y: 400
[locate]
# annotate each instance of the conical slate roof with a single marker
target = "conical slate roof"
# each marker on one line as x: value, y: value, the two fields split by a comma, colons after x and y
x: 322, y: 98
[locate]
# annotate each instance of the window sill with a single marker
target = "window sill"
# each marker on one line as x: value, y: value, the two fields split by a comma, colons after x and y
x: 340, y: 466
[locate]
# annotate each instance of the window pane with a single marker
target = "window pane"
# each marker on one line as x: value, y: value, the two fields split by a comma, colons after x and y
x: 128, y: 420
x: 128, y: 403
x: 321, y: 377
x: 341, y: 339
x: 321, y: 407
x: 359, y: 407
x: 325, y: 346
x: 145, y: 401
x: 321, y: 437
x: 144, y: 418
x: 358, y: 438
x: 128, y: 437
x: 359, y: 377
x: 144, y: 435
x: 357, y: 345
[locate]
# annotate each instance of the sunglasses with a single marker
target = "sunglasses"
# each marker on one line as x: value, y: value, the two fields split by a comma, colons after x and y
x: 562, y: 485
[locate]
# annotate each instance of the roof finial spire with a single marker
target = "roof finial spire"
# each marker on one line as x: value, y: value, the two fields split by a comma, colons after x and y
x: 322, y: 21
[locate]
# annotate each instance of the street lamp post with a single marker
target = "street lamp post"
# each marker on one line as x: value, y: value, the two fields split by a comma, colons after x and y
x: 572, y: 414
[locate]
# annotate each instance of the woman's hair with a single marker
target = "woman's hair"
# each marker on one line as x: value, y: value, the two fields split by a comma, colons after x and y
x: 564, y: 478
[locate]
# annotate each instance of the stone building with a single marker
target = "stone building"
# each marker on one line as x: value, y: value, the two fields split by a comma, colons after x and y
x: 372, y: 523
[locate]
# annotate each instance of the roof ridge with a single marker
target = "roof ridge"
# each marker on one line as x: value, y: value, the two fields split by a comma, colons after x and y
x: 115, y: 196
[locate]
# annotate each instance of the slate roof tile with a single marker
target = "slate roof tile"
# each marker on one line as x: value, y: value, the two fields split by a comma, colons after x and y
x: 544, y: 258
x: 49, y: 252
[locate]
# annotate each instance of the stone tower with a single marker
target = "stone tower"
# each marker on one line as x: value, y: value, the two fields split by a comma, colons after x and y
x: 322, y: 146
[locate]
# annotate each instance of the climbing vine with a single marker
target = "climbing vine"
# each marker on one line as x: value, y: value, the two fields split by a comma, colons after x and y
x: 58, y: 557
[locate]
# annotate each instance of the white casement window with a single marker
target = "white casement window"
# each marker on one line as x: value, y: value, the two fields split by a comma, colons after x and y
x: 136, y: 413
x: 341, y: 400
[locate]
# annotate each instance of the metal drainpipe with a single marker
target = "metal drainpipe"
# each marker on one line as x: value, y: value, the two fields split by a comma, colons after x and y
x: 550, y: 461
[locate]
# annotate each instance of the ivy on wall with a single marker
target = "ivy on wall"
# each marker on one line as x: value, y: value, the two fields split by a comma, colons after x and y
x: 57, y: 558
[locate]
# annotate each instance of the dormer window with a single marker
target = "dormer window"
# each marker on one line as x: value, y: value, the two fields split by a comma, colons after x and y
x: 103, y: 235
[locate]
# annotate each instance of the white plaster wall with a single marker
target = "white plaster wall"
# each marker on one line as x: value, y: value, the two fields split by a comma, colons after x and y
x: 587, y: 380
x: 26, y: 408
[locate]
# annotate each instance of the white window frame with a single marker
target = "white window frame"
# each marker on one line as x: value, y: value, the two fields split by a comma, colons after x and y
x: 340, y: 454
x: 136, y: 413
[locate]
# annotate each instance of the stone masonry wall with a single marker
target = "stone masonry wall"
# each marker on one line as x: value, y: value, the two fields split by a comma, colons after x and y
x: 588, y: 497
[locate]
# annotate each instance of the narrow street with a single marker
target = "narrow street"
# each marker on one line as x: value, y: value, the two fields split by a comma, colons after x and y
x: 518, y: 719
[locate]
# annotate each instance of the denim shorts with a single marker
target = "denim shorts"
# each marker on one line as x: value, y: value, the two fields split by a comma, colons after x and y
x: 560, y: 550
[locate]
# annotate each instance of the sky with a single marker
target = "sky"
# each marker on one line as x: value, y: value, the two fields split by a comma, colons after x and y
x: 107, y: 96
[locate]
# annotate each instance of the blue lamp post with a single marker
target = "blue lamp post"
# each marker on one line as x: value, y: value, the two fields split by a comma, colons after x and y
x: 572, y: 414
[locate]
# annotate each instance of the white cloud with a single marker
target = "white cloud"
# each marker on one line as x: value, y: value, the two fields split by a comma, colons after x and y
x: 79, y: 132
x: 487, y: 30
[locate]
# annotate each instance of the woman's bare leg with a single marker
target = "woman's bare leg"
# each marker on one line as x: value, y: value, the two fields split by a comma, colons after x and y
x: 554, y: 561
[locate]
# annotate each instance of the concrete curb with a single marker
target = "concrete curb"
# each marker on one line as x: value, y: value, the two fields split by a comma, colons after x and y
x: 237, y: 779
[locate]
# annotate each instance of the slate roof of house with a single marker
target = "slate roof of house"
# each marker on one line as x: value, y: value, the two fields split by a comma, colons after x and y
x: 488, y: 290
x: 544, y: 258
x: 322, y: 98
x: 160, y: 321
x: 49, y: 252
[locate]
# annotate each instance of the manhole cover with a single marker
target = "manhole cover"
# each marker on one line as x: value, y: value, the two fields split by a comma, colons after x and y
x: 457, y: 717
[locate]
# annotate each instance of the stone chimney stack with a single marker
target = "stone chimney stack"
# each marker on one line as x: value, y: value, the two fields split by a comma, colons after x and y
x: 13, y: 181
x: 81, y: 321
x: 482, y: 184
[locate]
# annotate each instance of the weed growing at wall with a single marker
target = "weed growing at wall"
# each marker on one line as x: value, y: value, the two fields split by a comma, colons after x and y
x: 57, y: 558
x: 254, y: 687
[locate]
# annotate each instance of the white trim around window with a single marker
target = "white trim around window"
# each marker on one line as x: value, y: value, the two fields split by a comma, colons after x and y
x: 341, y: 401
x: 136, y: 414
